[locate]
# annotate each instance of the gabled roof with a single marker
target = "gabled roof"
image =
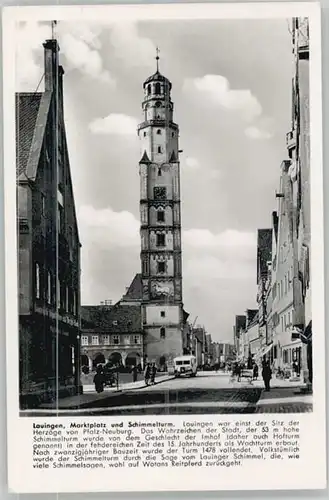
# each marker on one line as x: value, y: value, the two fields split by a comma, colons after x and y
x: 199, y: 333
x: 31, y: 120
x: 135, y: 290
x: 115, y: 319
x: 27, y: 107
x: 251, y: 314
x: 254, y: 321
x: 145, y: 159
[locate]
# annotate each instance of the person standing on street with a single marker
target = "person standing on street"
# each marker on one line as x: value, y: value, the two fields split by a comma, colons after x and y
x: 99, y: 379
x: 255, y: 372
x: 153, y: 373
x: 147, y: 373
x: 267, y: 375
x: 135, y: 373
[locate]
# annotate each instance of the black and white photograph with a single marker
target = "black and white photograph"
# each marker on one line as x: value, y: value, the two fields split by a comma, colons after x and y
x: 164, y: 258
x: 163, y: 177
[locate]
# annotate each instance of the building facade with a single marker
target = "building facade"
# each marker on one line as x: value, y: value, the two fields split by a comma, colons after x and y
x: 264, y: 259
x: 48, y: 243
x: 252, y: 340
x: 199, y: 340
x: 111, y: 334
x: 298, y: 143
x: 160, y: 224
x: 283, y: 265
x: 238, y: 330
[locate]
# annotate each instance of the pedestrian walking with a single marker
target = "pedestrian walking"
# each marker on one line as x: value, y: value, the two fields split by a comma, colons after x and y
x: 135, y: 373
x: 267, y: 375
x: 99, y: 379
x: 239, y: 372
x: 233, y: 372
x: 147, y: 373
x: 255, y: 372
x: 153, y: 373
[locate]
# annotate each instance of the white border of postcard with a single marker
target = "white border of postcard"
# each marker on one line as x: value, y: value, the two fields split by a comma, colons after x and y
x: 307, y: 473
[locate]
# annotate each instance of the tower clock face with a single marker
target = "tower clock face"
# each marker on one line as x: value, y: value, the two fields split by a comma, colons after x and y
x: 160, y: 193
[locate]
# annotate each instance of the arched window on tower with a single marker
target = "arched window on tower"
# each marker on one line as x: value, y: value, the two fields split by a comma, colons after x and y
x: 160, y: 215
x: 149, y: 89
x: 159, y: 149
x: 157, y: 88
x: 159, y: 131
x: 162, y: 332
x: 145, y: 110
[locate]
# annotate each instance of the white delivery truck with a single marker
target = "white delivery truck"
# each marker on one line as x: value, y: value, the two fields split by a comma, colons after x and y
x: 185, y: 365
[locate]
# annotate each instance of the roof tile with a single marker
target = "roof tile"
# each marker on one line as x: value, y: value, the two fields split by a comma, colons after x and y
x: 27, y: 107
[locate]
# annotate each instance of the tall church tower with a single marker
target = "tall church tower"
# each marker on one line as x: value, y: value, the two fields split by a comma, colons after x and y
x: 160, y: 216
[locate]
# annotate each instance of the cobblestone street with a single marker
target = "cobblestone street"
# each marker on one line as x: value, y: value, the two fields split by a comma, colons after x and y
x: 209, y: 392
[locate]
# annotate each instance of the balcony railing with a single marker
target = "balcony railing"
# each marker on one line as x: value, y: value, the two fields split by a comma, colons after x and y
x: 157, y: 123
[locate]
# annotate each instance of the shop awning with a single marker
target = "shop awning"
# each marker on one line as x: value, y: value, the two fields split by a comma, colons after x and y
x: 296, y: 332
x: 262, y: 352
x: 306, y: 335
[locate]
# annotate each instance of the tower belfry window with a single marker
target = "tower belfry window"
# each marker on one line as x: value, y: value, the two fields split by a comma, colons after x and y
x: 157, y: 88
x: 161, y: 267
x: 160, y: 216
x: 149, y: 89
x: 160, y: 240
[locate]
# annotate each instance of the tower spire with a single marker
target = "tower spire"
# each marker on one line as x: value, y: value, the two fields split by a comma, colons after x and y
x: 157, y: 57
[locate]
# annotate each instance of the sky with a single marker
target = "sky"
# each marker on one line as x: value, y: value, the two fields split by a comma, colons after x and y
x: 231, y: 87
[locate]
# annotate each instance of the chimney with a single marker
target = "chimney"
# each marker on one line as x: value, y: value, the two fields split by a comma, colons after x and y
x: 51, y: 63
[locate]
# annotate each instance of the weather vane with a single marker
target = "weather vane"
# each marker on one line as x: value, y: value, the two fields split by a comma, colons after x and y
x: 53, y: 28
x: 157, y: 57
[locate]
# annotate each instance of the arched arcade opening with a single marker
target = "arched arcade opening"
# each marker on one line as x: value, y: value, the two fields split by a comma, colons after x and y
x: 133, y: 359
x: 99, y: 359
x: 115, y: 358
